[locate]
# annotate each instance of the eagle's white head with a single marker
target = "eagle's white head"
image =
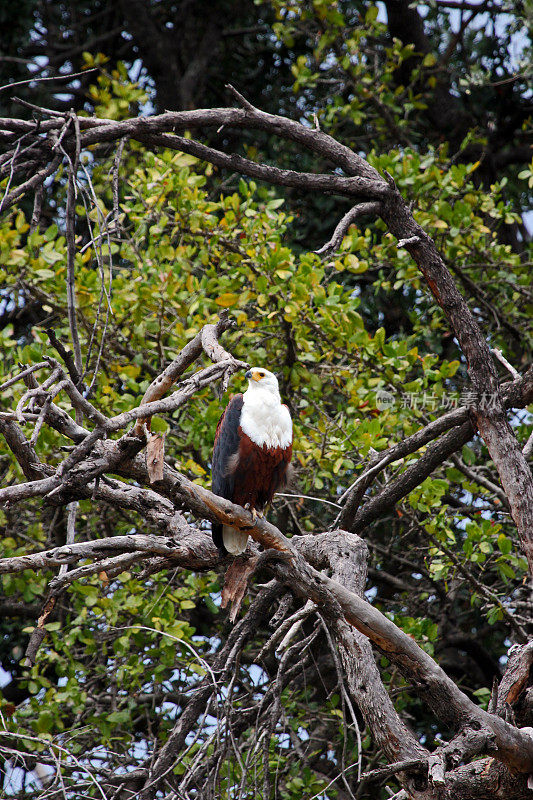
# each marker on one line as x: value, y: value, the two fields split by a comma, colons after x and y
x: 263, y: 418
x: 260, y: 379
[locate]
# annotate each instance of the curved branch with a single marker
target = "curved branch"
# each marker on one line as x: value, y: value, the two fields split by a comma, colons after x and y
x: 206, y: 339
x: 371, y: 209
x: 515, y: 394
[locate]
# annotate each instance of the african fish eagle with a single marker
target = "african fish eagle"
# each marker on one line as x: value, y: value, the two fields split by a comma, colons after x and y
x: 252, y: 452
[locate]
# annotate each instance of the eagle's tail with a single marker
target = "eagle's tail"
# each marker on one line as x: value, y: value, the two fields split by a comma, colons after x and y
x: 235, y: 541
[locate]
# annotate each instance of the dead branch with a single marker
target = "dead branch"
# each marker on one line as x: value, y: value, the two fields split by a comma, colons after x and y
x: 207, y: 340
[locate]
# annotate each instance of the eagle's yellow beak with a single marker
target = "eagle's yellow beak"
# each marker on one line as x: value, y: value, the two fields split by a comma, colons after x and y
x: 254, y: 374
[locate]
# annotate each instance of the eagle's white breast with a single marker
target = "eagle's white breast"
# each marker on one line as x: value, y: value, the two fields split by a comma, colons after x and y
x: 265, y: 419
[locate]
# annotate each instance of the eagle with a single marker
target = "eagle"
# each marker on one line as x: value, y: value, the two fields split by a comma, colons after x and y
x: 251, y: 454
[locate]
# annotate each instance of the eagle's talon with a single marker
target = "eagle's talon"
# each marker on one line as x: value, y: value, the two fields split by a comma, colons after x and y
x: 255, y: 514
x: 252, y: 510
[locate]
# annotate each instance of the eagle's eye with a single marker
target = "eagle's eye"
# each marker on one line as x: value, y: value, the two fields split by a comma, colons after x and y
x: 261, y: 374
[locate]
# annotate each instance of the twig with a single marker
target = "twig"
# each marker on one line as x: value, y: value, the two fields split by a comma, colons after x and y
x: 406, y: 242
x: 297, y: 620
x: 39, y: 632
x: 349, y: 218
x: 36, y: 180
x: 240, y: 99
x: 528, y: 447
x: 62, y: 132
x: 37, y: 207
x: 66, y: 355
x: 72, y: 510
x: 116, y: 168
x: 348, y: 702
x: 97, y: 241
x: 11, y: 173
x: 207, y: 340
x: 40, y: 391
x: 369, y: 473
x: 20, y: 375
x: 50, y: 112
x: 71, y: 255
x: 308, y: 497
x: 49, y: 744
x: 40, y: 419
x: 501, y: 358
x: 287, y: 625
x: 415, y: 764
x: 52, y: 78
x: 475, y: 477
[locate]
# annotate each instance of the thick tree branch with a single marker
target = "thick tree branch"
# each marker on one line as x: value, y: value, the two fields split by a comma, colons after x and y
x: 408, y: 480
x: 515, y: 394
x: 346, y: 555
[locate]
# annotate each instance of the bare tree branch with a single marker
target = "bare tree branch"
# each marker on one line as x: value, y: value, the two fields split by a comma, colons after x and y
x: 372, y: 209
